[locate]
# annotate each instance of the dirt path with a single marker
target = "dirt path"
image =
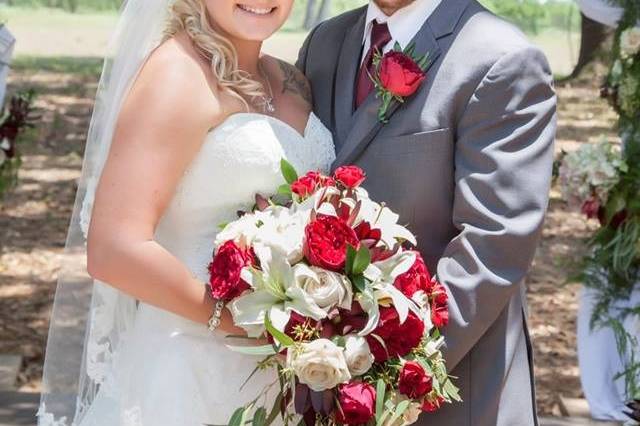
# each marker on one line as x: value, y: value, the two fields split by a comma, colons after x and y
x: 34, y: 218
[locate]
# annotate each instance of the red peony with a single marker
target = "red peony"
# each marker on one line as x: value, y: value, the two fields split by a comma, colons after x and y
x: 350, y: 176
x: 400, y: 74
x: 416, y: 278
x: 414, y: 382
x: 224, y: 271
x: 357, y: 402
x: 326, y: 240
x: 307, y: 184
x: 439, y: 306
x: 432, y: 404
x: 399, y: 339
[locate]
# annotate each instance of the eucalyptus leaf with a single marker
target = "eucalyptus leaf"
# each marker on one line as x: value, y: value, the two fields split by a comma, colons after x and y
x: 380, y: 391
x: 259, y: 417
x: 236, y: 417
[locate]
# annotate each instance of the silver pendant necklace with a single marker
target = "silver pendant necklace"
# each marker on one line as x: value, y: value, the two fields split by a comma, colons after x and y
x: 267, y: 101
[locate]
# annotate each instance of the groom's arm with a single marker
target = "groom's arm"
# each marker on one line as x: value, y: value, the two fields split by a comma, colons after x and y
x: 503, y: 164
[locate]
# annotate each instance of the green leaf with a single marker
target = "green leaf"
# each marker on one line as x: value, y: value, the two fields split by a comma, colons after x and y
x: 451, y: 390
x: 253, y: 350
x: 288, y: 172
x: 397, y: 47
x: 380, y: 390
x: 359, y: 283
x: 284, y: 340
x: 410, y: 49
x: 399, y: 411
x: 259, y: 417
x: 284, y: 189
x: 236, y: 417
x: 274, y: 410
x: 351, y: 256
x: 361, y: 261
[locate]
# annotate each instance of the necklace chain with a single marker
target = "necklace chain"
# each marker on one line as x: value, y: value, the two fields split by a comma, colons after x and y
x: 267, y: 101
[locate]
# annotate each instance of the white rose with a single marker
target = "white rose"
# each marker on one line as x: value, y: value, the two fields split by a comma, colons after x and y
x: 630, y: 42
x: 326, y: 288
x: 320, y: 365
x: 242, y: 230
x: 358, y: 355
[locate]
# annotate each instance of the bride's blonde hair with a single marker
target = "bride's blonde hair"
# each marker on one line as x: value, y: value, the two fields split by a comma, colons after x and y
x: 191, y: 16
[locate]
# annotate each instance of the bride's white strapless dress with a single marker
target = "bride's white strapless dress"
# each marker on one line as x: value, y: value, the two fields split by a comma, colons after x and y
x: 174, y: 372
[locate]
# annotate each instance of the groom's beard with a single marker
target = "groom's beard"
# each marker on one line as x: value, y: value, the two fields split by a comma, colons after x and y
x: 389, y: 7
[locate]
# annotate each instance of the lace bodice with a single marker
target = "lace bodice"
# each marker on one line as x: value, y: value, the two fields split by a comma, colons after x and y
x: 239, y: 158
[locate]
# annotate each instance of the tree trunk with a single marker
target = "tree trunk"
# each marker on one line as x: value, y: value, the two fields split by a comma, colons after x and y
x: 593, y: 35
x: 309, y: 16
x: 324, y: 13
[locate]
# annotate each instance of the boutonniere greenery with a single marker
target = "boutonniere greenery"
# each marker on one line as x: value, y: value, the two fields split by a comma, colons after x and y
x: 397, y: 75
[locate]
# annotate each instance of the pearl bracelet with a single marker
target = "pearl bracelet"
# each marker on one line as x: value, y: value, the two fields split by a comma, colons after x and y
x: 214, y: 321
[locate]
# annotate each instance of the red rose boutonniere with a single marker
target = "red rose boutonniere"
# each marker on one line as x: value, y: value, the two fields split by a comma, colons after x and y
x: 398, y: 74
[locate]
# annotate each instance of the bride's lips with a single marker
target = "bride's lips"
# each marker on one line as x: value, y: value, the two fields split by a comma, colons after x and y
x: 255, y: 10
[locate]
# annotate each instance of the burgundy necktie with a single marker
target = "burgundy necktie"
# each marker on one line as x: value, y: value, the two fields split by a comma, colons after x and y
x: 380, y: 36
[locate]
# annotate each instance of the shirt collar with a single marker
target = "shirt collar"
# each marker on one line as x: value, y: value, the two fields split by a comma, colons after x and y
x: 405, y: 23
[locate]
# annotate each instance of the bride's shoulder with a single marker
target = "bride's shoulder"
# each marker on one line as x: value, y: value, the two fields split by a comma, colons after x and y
x: 173, y: 78
x: 291, y: 82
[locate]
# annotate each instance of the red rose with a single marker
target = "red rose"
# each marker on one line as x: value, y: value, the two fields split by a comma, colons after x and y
x: 357, y: 402
x: 399, y: 74
x: 399, y: 339
x: 439, y: 306
x: 416, y: 278
x: 350, y: 176
x: 432, y: 404
x: 326, y: 240
x: 414, y: 381
x: 307, y: 184
x: 224, y: 271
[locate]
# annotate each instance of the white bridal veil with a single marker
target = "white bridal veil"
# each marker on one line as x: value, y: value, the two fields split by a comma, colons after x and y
x: 90, y: 319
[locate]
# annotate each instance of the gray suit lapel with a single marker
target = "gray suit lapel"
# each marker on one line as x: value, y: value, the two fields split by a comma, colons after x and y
x: 364, y: 124
x: 348, y: 66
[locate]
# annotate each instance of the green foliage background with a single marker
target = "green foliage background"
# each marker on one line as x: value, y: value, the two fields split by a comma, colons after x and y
x: 530, y: 15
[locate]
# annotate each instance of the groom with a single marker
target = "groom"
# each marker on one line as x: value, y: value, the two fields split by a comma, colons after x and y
x: 466, y: 161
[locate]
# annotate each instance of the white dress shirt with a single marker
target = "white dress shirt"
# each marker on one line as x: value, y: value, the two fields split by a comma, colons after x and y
x: 403, y: 25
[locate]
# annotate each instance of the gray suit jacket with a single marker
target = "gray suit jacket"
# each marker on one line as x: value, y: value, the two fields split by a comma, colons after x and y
x: 466, y: 162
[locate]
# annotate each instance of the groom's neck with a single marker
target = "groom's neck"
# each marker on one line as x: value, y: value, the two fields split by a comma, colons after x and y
x: 389, y: 7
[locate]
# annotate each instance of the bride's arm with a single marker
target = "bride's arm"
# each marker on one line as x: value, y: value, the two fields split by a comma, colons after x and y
x: 160, y: 129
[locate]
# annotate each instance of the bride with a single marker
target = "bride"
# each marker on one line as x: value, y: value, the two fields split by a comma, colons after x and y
x: 191, y: 120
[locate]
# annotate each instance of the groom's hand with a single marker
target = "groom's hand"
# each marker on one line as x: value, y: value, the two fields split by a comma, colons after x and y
x: 503, y: 164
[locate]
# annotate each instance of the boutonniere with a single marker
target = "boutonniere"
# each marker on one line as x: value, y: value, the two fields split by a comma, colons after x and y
x: 397, y: 75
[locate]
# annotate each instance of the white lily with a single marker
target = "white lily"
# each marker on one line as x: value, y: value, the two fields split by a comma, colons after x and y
x: 274, y: 292
x: 383, y: 218
x: 383, y: 275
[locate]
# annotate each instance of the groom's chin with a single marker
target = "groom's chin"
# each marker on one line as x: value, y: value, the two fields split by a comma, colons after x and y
x: 389, y: 7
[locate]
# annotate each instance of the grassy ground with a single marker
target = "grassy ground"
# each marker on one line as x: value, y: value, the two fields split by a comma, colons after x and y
x: 34, y: 217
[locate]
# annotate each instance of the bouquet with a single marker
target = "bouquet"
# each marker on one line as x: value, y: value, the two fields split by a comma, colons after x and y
x: 351, y: 313
x: 588, y: 175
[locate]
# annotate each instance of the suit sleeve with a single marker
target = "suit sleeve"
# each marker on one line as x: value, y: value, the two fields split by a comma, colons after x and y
x: 503, y: 166
x: 301, y: 63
